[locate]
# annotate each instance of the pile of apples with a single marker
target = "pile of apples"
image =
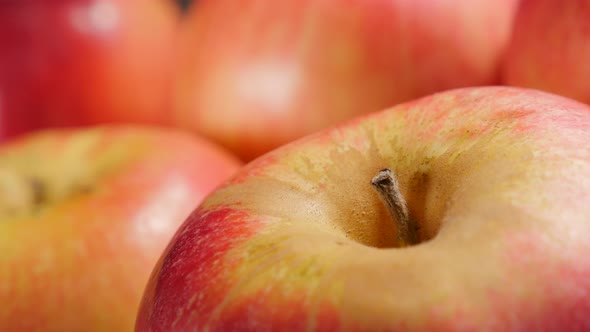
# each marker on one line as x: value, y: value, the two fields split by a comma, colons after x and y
x: 295, y: 165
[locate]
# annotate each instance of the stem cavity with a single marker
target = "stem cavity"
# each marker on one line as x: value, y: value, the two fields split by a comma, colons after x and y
x: 386, y: 184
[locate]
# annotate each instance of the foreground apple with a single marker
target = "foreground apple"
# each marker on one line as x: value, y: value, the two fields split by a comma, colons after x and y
x: 84, y: 216
x: 258, y: 74
x: 70, y: 62
x: 495, y: 228
x: 550, y: 48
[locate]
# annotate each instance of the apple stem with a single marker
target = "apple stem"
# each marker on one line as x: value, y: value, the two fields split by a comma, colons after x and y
x: 386, y: 184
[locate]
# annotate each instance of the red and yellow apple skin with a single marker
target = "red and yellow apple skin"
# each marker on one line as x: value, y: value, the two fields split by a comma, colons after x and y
x: 80, y: 62
x: 85, y: 215
x: 280, y: 69
x: 498, y: 179
x: 550, y: 48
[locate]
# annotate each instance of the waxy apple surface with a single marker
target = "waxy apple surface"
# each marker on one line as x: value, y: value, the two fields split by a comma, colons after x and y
x: 84, y: 216
x: 497, y: 178
x: 257, y: 74
x: 72, y: 62
x: 550, y: 48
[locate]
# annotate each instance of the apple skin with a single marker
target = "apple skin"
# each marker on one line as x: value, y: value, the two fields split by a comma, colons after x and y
x: 549, y: 48
x: 81, y: 62
x: 114, y: 196
x: 280, y: 69
x: 498, y: 179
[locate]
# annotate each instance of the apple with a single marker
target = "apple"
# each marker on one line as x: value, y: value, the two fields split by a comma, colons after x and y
x: 466, y: 210
x: 84, y: 216
x: 549, y: 48
x: 72, y: 62
x: 258, y: 74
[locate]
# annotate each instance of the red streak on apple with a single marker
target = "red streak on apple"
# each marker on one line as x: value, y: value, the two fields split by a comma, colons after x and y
x: 204, y: 239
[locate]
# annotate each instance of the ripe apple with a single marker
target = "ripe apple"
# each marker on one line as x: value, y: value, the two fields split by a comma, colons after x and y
x: 492, y: 195
x: 550, y: 48
x: 84, y: 216
x: 71, y: 62
x: 256, y: 74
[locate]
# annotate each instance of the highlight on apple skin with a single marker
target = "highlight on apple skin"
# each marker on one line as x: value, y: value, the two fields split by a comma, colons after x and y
x: 257, y: 74
x: 84, y: 216
x: 496, y: 178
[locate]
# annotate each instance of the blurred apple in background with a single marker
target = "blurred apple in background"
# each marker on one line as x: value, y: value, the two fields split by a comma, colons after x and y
x: 84, y: 216
x: 255, y: 74
x: 72, y: 62
x: 550, y: 48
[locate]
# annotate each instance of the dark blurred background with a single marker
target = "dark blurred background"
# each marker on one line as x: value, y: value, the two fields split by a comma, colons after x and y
x: 185, y: 3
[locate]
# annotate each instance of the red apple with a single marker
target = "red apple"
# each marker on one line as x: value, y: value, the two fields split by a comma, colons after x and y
x: 84, y: 216
x: 256, y: 74
x: 550, y: 48
x: 487, y: 229
x: 68, y: 62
